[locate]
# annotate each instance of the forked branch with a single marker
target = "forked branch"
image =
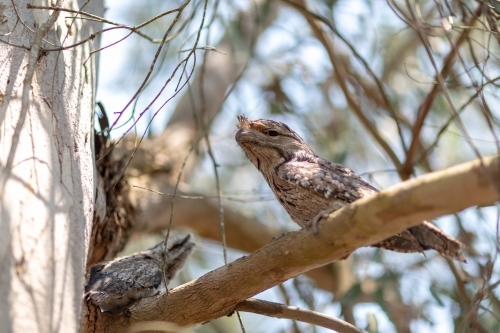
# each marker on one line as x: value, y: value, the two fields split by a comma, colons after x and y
x: 364, y: 222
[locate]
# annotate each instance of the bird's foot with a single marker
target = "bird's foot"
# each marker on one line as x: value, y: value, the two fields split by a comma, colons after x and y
x: 278, y: 237
x: 313, y: 224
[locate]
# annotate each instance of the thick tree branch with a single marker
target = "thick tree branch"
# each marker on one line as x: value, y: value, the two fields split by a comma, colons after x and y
x: 242, y: 233
x: 157, y: 162
x: 364, y: 222
x: 282, y: 311
x: 153, y: 162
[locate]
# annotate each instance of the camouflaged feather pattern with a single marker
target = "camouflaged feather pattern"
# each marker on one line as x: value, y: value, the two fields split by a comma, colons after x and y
x: 119, y: 283
x: 307, y: 185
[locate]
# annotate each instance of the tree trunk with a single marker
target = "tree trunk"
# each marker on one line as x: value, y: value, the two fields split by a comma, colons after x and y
x: 47, y: 169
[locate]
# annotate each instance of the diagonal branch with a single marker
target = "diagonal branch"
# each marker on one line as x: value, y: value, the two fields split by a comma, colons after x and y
x: 364, y: 222
x: 277, y: 310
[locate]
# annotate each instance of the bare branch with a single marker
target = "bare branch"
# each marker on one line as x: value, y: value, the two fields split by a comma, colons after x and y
x: 341, y: 76
x: 364, y: 222
x: 277, y: 310
x: 426, y: 105
x: 92, y: 17
x: 492, y: 21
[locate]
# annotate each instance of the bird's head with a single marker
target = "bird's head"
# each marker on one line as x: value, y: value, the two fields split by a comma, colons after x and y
x: 178, y: 249
x: 267, y: 142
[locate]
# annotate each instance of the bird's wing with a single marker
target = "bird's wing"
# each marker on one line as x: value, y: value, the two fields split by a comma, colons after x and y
x: 325, y: 178
x: 126, y: 276
x: 148, y: 274
x: 141, y: 274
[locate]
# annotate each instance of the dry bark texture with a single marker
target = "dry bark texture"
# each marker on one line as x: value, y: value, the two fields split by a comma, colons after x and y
x: 114, y: 215
x: 47, y: 182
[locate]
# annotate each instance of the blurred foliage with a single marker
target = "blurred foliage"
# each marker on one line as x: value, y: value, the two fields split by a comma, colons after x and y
x: 423, y: 74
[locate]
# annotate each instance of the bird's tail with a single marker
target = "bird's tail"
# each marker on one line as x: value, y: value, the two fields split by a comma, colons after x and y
x: 425, y: 236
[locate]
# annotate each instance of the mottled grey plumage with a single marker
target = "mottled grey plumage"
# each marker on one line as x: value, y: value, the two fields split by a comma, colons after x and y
x: 117, y: 284
x: 307, y: 185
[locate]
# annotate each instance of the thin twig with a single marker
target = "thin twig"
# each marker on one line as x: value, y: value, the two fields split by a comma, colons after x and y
x: 92, y: 17
x: 24, y: 24
x: 442, y: 86
x: 207, y: 140
x: 203, y: 197
x: 193, y: 52
x: 450, y: 120
x: 141, y: 88
x: 341, y: 79
x: 358, y: 56
x: 492, y: 21
x: 427, y: 103
x: 179, y: 11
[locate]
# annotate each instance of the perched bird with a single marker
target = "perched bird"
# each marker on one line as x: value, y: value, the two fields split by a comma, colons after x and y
x: 307, y: 185
x: 119, y: 283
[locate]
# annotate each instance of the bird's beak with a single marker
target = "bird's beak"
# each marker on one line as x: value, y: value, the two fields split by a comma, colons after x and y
x: 179, y: 241
x: 243, y: 136
x: 239, y: 134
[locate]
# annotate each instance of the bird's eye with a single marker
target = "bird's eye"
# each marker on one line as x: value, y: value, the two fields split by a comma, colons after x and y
x: 272, y: 133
